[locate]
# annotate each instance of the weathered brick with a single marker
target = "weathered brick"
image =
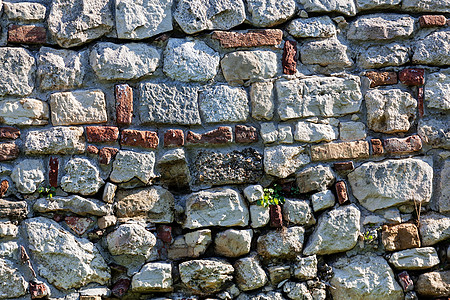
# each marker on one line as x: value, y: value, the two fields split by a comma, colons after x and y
x: 139, y: 138
x: 432, y: 21
x: 124, y: 104
x: 38, y: 290
x: 252, y: 38
x: 341, y: 192
x: 400, y: 237
x: 344, y: 150
x: 403, y: 145
x: 221, y: 135
x: 53, y: 171
x: 106, y: 154
x: 289, y: 59
x: 377, y: 147
x: 343, y: 166
x: 420, y: 97
x: 173, y: 138
x: 92, y: 149
x: 77, y: 224
x: 4, y: 186
x: 102, y: 134
x: 405, y: 281
x: 8, y: 151
x: 9, y: 133
x: 27, y: 34
x: 164, y: 233
x: 245, y: 134
x: 412, y: 76
x: 381, y: 78
x: 120, y: 288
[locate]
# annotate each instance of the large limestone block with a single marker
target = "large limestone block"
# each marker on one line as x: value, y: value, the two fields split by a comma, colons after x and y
x: 56, y: 251
x: 317, y: 178
x: 73, y: 23
x: 81, y: 177
x: 364, y: 277
x: 341, y: 224
x: 127, y: 61
x: 434, y: 133
x: 216, y: 207
x: 378, y: 56
x: 28, y: 175
x: 282, y: 161
x: 434, y: 228
x: 129, y: 164
x: 434, y: 284
x: 267, y: 13
x: 23, y: 112
x: 426, y: 5
x: 281, y: 244
x: 249, y: 274
x: 415, y: 259
x: 233, y: 243
x: 437, y: 90
x: 379, y: 185
x: 315, y: 132
x: 142, y: 19
x: 13, y: 283
x: 327, y: 52
x: 153, y: 277
x: 434, y: 49
x: 381, y: 27
x: 346, y: 7
x: 131, y: 239
x: 317, y: 27
x: 75, y: 204
x: 56, y: 140
x: 17, y: 72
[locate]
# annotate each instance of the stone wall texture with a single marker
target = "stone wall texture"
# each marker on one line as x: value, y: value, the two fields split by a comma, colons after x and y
x: 137, y: 138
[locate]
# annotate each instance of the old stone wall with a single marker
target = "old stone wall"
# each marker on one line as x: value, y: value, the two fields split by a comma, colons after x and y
x: 139, y: 139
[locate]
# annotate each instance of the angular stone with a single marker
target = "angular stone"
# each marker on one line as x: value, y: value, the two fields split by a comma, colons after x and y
x: 254, y: 193
x: 282, y: 161
x: 262, y: 100
x: 249, y: 274
x: 266, y: 13
x: 380, y: 56
x: 27, y: 34
x: 432, y: 21
x: 259, y: 216
x: 73, y: 203
x: 285, y: 134
x: 444, y: 189
x: 412, y: 76
x: 174, y: 138
x: 277, y: 244
x: 13, y: 284
x: 434, y: 284
x: 28, y: 175
x: 403, y: 145
x: 56, y: 251
x: 235, y: 167
x: 233, y: 243
x: 124, y: 104
x: 269, y: 132
x: 318, y: 96
x: 25, y: 111
x: 346, y: 7
x: 139, y: 138
x: 426, y: 5
x: 434, y: 228
x: 306, y: 268
x: 437, y: 90
x: 168, y: 104
x: 245, y: 134
x: 344, y: 150
x: 191, y: 245
x: 434, y: 49
x: 130, y: 164
x: 316, y: 27
x: 144, y: 19
x: 240, y: 66
x: 82, y: 177
x: 78, y: 107
x: 400, y: 237
x: 381, y: 27
x: 221, y: 135
x: 379, y: 280
x: 153, y: 277
x: 322, y: 200
x: 328, y: 52
x: 377, y: 4
x: 8, y: 229
x: 390, y: 111
x: 106, y: 221
x: 174, y: 170
x: 317, y: 178
x: 298, y: 212
x: 297, y: 291
x: 131, y: 239
x: 25, y: 11
x: 378, y: 78
x: 434, y: 133
x: 56, y: 140
x: 13, y: 209
x: 289, y: 58
x: 312, y: 133
x: 127, y: 61
x: 350, y: 131
x: 379, y: 185
x: 250, y: 38
x: 109, y: 192
x: 17, y: 74
x: 78, y: 22
x: 10, y: 133
x: 206, y: 276
x: 195, y: 15
x: 415, y: 259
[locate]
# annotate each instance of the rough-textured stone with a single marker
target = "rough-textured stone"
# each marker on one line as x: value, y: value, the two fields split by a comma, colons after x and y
x: 106, y: 221
x: 131, y: 239
x: 432, y: 21
x: 27, y: 34
x: 196, y: 15
x: 379, y: 185
x: 444, y: 188
x: 77, y: 22
x: 318, y: 96
x: 191, y: 245
x: 350, y: 131
x: 286, y: 244
x: 381, y: 27
x: 297, y: 291
x: 259, y: 216
x: 379, y: 56
x: 437, y: 90
x: 139, y: 138
x: 415, y: 259
x: 153, y: 277
x: 215, y: 207
x: 24, y: 11
x: 434, y: 284
x: 13, y: 209
x: 434, y: 49
x: 56, y: 140
x: 364, y: 277
x: 127, y: 61
x: 254, y: 193
x: 298, y: 212
x: 25, y: 111
x: 205, y: 276
x: 187, y: 61
x: 426, y: 5
x: 344, y: 150
x: 315, y: 132
x: 262, y: 100
x: 282, y: 161
x: 400, y: 237
x: 106, y: 154
x: 142, y: 19
x: 378, y: 78
x: 130, y: 164
x: 377, y: 4
x: 13, y: 284
x: 17, y: 72
x: 82, y: 177
x: 434, y: 133
x: 174, y: 170
x: 328, y: 52
x: 305, y: 268
x: 28, y: 175
x: 434, y: 228
x: 56, y: 251
x: 322, y: 200
x: 317, y: 178
x: 346, y: 7
x: 403, y: 145
x: 249, y: 274
x: 168, y: 104
x: 221, y: 135
x: 8, y: 229
x: 251, y: 38
x: 233, y: 243
x: 317, y: 27
x: 269, y: 132
x: 240, y: 66
x: 266, y: 13
x: 390, y: 111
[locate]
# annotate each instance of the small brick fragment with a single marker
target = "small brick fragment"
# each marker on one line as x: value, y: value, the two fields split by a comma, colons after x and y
x: 289, y: 61
x: 124, y: 104
x: 403, y: 145
x: 221, y: 135
x: 173, y: 138
x: 92, y: 149
x: 106, y: 154
x: 78, y: 225
x: 164, y: 233
x: 377, y: 147
x: 53, y: 171
x: 412, y: 76
x: 102, y: 134
x: 252, y: 38
x: 120, y: 288
x: 27, y: 34
x: 341, y: 192
x: 432, y: 21
x: 381, y: 78
x: 343, y: 166
x: 400, y: 237
x: 8, y: 151
x: 10, y: 133
x: 420, y: 101
x: 38, y: 290
x: 4, y: 186
x: 139, y: 138
x: 405, y: 281
x: 276, y: 217
x: 245, y: 134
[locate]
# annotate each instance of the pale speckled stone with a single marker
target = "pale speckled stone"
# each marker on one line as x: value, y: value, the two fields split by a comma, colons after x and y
x: 305, y: 268
x: 444, y: 188
x: 327, y: 52
x: 191, y: 245
x: 298, y: 212
x: 73, y: 203
x: 269, y: 132
x: 56, y: 140
x: 286, y: 244
x: 129, y: 164
x: 233, y: 243
x: 434, y: 228
x: 426, y: 5
x: 316, y: 178
x: 285, y: 134
x: 153, y: 277
x: 317, y: 27
x: 17, y: 72
x: 379, y: 56
x: 282, y: 161
x: 415, y: 259
x: 13, y: 283
x: 346, y: 7
x: 437, y: 90
x: 254, y: 193
x: 350, y: 131
x: 23, y: 112
x: 249, y: 273
x: 8, y: 229
x: 109, y: 192
x: 377, y: 4
x: 131, y: 239
x: 312, y: 133
x: 259, y: 216
x: 24, y: 11
x: 268, y: 13
x: 381, y: 27
x: 262, y: 100
x: 82, y: 177
x: 434, y: 133
x: 323, y: 200
x: 434, y: 49
x: 28, y: 175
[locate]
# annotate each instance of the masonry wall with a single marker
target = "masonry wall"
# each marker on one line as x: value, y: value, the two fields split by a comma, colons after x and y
x: 139, y: 139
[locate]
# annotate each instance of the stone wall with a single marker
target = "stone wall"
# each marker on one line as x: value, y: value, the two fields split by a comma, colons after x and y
x: 138, y: 138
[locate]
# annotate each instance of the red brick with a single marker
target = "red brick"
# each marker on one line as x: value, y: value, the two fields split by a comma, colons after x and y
x: 252, y: 38
x: 343, y: 166
x: 245, y: 134
x: 9, y: 133
x: 173, y: 138
x: 102, y: 134
x: 4, y: 186
x: 8, y: 151
x: 221, y: 135
x: 92, y: 149
x: 27, y: 34
x: 38, y: 290
x: 289, y: 59
x: 432, y: 21
x: 420, y: 101
x: 53, y: 171
x: 403, y: 145
x: 78, y: 225
x: 412, y: 76
x: 382, y: 78
x: 120, y: 288
x: 124, y: 104
x: 139, y: 138
x: 164, y: 233
x: 106, y: 154
x: 405, y: 281
x: 377, y: 147
x: 276, y: 217
x: 341, y: 192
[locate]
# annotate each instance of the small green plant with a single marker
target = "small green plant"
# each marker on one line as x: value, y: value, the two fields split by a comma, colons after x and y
x: 272, y: 196
x: 371, y: 234
x: 46, y: 192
